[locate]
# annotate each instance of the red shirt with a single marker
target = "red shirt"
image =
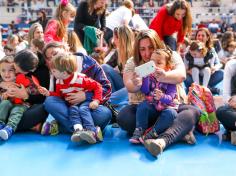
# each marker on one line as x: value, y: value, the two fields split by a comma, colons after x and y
x: 166, y: 25
x: 78, y: 82
x: 50, y: 33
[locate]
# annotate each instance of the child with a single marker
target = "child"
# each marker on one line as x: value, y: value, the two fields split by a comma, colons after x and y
x: 37, y: 45
x: 159, y: 98
x: 229, y: 52
x: 56, y: 29
x: 15, y: 107
x: 199, y: 62
x: 8, y: 50
x: 64, y: 67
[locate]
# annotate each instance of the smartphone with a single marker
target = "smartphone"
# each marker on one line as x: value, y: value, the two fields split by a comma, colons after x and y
x: 145, y: 69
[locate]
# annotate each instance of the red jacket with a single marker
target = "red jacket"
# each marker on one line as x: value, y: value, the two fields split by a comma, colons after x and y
x: 166, y: 25
x: 75, y: 83
x: 50, y: 33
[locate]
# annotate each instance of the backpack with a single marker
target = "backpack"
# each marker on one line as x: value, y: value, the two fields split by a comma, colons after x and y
x: 201, y: 97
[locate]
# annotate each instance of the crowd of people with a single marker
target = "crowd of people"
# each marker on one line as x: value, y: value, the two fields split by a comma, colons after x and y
x: 54, y: 80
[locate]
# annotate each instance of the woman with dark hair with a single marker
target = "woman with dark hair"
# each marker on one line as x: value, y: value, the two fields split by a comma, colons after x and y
x: 90, y: 13
x: 171, y: 19
x: 204, y: 36
x: 23, y: 64
x: 42, y: 19
x: 58, y: 107
x: 145, y: 43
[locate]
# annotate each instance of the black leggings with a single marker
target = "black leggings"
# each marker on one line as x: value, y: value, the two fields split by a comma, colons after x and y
x: 227, y: 116
x: 34, y: 115
x: 186, y: 119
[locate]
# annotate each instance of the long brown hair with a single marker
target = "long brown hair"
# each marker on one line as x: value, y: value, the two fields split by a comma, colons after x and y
x: 146, y: 34
x: 62, y: 30
x: 91, y: 9
x: 187, y: 20
x: 209, y: 43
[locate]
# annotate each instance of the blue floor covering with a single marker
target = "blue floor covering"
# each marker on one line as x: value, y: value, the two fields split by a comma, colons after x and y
x: 29, y: 154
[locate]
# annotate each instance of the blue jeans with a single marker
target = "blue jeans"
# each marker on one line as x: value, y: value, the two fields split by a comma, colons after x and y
x: 114, y: 77
x: 81, y: 114
x: 119, y: 99
x: 145, y: 110
x: 216, y: 78
x: 59, y: 109
x: 171, y: 42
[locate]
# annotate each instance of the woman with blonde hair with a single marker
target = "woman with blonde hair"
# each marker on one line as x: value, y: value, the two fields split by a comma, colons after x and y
x: 56, y: 29
x: 123, y: 38
x: 35, y: 32
x: 90, y: 13
x: 74, y: 43
x: 171, y: 19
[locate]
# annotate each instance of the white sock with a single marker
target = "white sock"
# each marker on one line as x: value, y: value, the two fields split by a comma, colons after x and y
x: 78, y: 126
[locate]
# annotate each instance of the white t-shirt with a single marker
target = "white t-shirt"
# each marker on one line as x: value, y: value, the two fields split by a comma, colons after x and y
x: 118, y: 17
x: 229, y: 72
x: 138, y: 22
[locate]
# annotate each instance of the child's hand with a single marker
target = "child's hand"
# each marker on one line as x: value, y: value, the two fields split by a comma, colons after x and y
x: 4, y: 96
x: 43, y: 91
x: 94, y: 104
x: 213, y: 69
x: 189, y: 71
x: 158, y: 94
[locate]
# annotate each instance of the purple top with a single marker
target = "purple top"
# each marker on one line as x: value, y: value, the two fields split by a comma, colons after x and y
x: 169, y: 90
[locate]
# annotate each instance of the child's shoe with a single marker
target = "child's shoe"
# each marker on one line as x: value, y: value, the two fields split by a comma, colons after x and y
x: 155, y: 146
x: 135, y: 139
x: 76, y: 136
x: 88, y: 136
x: 149, y: 134
x: 6, y: 132
x: 2, y: 125
x: 50, y: 128
x: 99, y: 135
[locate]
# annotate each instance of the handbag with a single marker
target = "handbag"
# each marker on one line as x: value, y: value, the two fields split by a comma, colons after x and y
x: 201, y: 97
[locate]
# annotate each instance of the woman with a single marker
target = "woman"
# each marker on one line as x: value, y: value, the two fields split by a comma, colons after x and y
x: 36, y: 113
x: 58, y: 107
x: 123, y: 40
x: 227, y: 113
x: 120, y: 16
x: 42, y: 19
x: 35, y: 32
x: 204, y: 36
x: 171, y: 19
x: 145, y: 43
x: 90, y: 13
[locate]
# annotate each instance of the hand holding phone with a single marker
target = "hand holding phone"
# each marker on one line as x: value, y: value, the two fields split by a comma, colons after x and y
x: 145, y: 69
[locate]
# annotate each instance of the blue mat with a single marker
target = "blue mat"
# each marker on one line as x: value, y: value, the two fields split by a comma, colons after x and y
x: 29, y: 154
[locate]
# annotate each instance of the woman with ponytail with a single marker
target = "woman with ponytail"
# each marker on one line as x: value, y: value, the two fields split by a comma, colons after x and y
x: 56, y: 29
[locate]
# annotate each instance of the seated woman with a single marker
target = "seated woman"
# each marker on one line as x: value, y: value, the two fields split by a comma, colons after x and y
x: 58, y: 108
x: 123, y: 38
x: 227, y: 113
x: 145, y: 43
x: 204, y: 36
